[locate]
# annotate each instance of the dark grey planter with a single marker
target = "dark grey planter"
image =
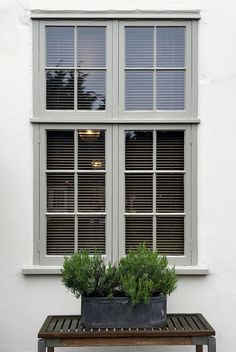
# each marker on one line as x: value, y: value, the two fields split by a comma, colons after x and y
x: 118, y: 312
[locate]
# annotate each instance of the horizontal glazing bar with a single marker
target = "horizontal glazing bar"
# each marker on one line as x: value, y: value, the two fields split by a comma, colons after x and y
x: 170, y: 171
x: 154, y: 68
x: 139, y: 214
x: 60, y: 214
x: 170, y: 214
x: 91, y: 214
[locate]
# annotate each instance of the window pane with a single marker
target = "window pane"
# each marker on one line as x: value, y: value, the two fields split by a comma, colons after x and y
x: 170, y: 150
x: 91, y: 234
x: 170, y: 235
x: 91, y: 192
x: 91, y: 149
x: 138, y: 150
x: 170, y: 90
x: 138, y: 230
x: 60, y: 235
x: 60, y: 150
x: 170, y: 193
x: 171, y: 46
x: 138, y: 193
x: 91, y: 47
x: 60, y: 46
x: 60, y: 192
x: 60, y: 90
x: 139, y: 90
x: 91, y: 90
x: 139, y: 46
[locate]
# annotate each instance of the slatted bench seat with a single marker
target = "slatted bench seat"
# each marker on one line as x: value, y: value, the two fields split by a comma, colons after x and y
x: 180, y: 329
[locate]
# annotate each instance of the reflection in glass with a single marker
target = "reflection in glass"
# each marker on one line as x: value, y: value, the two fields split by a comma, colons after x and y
x: 91, y: 147
x: 91, y: 47
x: 91, y: 90
x: 59, y: 90
x: 59, y: 46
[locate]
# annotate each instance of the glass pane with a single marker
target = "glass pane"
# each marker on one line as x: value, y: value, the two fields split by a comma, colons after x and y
x: 170, y: 150
x: 60, y: 193
x: 91, y: 149
x: 91, y: 192
x: 170, y: 193
x: 139, y: 196
x: 171, y: 46
x: 60, y: 235
x: 170, y: 235
x: 60, y: 90
x: 138, y: 230
x: 91, y: 234
x: 91, y: 47
x: 60, y: 150
x: 138, y: 150
x: 60, y: 46
x: 91, y: 90
x: 139, y: 46
x: 170, y: 90
x: 139, y: 90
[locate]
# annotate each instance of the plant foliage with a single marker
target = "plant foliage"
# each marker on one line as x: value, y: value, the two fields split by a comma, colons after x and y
x: 139, y: 276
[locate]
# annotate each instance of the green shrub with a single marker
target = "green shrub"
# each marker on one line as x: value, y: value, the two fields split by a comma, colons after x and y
x: 87, y: 275
x: 144, y: 273
x: 139, y: 276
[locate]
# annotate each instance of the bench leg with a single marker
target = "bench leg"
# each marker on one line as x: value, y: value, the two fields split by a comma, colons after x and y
x: 41, y: 346
x: 199, y: 348
x: 50, y: 349
x: 211, y: 344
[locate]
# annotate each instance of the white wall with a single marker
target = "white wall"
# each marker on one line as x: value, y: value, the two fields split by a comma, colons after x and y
x: 25, y: 301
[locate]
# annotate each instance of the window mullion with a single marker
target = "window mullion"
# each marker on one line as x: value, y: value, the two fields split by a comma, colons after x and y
x: 75, y: 69
x: 154, y: 190
x: 76, y: 187
x: 154, y: 68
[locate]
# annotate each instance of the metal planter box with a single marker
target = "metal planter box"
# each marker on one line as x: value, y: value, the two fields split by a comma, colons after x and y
x: 118, y: 312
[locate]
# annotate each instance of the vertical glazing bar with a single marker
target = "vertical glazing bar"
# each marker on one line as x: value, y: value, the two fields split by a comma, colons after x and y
x: 76, y: 186
x: 154, y: 189
x: 75, y: 68
x: 154, y: 69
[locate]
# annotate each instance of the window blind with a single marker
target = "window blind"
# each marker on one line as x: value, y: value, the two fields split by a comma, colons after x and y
x: 76, y: 191
x: 155, y: 187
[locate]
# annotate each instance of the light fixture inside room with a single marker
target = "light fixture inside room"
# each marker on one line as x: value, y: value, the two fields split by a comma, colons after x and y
x: 89, y: 134
x: 96, y: 164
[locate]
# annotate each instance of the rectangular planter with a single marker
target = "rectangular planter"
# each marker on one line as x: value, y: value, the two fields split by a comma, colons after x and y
x: 118, y: 312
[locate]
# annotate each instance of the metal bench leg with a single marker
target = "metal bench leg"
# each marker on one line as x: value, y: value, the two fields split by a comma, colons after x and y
x: 211, y: 344
x: 41, y: 346
x: 50, y: 349
x: 199, y: 348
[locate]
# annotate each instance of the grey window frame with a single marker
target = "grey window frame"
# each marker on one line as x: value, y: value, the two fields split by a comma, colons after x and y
x: 115, y: 232
x: 115, y: 73
x: 116, y: 120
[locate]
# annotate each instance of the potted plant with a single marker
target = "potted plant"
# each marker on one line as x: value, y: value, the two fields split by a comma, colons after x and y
x: 130, y: 293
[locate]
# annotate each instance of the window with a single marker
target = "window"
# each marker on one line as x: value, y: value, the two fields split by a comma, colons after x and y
x: 115, y: 139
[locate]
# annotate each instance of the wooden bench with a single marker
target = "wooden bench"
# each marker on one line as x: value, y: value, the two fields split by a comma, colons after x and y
x: 180, y: 329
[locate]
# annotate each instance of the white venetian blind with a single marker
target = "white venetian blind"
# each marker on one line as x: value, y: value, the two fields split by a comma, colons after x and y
x: 154, y: 190
x: 75, y: 80
x: 154, y: 68
x: 76, y: 189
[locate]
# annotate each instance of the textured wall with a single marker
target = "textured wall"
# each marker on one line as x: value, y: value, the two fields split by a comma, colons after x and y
x: 25, y: 301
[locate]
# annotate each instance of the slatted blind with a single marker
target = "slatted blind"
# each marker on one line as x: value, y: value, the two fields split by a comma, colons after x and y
x: 76, y: 191
x: 86, y: 69
x: 155, y: 187
x: 161, y: 51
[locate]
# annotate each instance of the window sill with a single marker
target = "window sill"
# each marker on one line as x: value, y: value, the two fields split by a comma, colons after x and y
x: 198, y: 270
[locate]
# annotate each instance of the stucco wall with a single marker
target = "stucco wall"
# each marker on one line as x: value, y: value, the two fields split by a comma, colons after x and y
x: 25, y: 301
